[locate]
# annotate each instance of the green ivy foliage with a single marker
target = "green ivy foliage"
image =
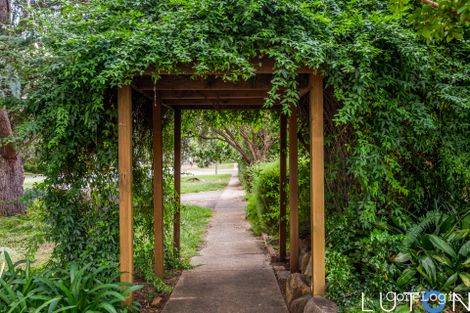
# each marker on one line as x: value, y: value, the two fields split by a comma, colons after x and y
x: 406, y: 102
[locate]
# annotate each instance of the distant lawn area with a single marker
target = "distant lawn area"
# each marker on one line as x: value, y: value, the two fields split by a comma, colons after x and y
x: 190, y: 184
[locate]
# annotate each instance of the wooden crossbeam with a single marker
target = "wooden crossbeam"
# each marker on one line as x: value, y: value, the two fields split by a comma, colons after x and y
x: 221, y: 102
x: 260, y: 82
x: 222, y: 107
x: 212, y: 94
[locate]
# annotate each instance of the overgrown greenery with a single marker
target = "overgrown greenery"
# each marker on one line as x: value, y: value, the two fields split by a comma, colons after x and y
x: 399, y: 142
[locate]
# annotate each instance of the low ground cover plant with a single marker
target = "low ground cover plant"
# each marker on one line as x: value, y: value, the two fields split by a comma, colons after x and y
x: 75, y: 289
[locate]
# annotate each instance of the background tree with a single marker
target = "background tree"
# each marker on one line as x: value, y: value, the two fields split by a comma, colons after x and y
x: 437, y: 20
x: 11, y: 163
x: 251, y: 134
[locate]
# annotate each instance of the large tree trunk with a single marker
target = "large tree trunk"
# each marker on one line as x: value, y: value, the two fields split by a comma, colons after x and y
x: 11, y: 164
x: 11, y: 172
x: 4, y: 11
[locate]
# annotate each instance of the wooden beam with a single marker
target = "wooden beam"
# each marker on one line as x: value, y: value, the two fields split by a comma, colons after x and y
x: 158, y: 186
x: 317, y: 186
x: 282, y: 186
x: 260, y: 83
x: 293, y: 192
x: 260, y: 66
x: 222, y: 107
x: 214, y: 102
x: 177, y: 180
x: 212, y: 94
x: 126, y: 232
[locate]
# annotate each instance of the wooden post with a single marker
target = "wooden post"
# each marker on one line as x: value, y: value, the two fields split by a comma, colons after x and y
x: 293, y: 192
x: 317, y: 185
x: 282, y: 187
x: 158, y: 185
x: 126, y: 232
x: 177, y: 180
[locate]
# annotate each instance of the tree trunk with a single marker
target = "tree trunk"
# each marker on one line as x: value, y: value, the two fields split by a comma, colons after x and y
x: 11, y: 172
x: 4, y: 11
x: 11, y: 164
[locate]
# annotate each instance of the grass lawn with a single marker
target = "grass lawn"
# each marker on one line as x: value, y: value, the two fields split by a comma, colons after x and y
x: 30, y: 179
x: 190, y: 184
x: 194, y: 220
x: 16, y: 233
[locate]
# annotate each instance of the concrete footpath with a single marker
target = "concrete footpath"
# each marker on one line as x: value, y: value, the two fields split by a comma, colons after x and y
x: 232, y: 274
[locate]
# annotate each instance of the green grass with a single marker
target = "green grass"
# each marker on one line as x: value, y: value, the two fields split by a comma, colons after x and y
x: 190, y: 184
x: 30, y: 179
x: 16, y: 234
x: 28, y: 185
x: 194, y: 220
x: 226, y: 166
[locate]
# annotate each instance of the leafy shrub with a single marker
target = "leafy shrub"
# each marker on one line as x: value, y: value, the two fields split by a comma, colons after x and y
x: 75, y: 290
x: 436, y: 253
x: 263, y: 202
x: 358, y: 260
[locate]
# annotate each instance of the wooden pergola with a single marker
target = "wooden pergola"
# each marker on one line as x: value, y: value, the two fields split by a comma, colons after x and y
x: 180, y: 91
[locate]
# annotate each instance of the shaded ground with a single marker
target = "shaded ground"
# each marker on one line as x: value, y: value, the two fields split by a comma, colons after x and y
x: 232, y: 273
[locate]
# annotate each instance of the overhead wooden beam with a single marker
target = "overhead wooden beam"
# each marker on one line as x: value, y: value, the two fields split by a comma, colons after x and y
x: 212, y: 94
x: 126, y: 231
x: 222, y: 107
x: 177, y: 180
x: 293, y: 192
x: 260, y: 83
x: 260, y: 66
x: 221, y: 102
x: 282, y: 186
x: 317, y: 212
x: 158, y: 186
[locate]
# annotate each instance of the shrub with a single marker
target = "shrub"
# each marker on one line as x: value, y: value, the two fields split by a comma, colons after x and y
x: 436, y: 253
x: 263, y: 202
x: 74, y: 289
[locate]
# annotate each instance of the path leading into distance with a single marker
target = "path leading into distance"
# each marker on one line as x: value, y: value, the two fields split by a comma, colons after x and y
x: 232, y: 273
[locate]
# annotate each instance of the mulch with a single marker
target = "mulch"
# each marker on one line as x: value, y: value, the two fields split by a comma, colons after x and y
x: 149, y: 299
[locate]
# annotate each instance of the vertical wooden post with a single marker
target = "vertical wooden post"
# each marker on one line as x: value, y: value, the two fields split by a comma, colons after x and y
x: 293, y: 192
x: 317, y: 212
x: 158, y: 185
x: 282, y: 187
x: 126, y: 232
x: 177, y: 180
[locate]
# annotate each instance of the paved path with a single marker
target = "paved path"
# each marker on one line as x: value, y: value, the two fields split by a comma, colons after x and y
x: 232, y: 273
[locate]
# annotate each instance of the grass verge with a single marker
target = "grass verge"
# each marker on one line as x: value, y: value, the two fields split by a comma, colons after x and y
x: 190, y: 184
x: 194, y: 221
x: 16, y: 235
